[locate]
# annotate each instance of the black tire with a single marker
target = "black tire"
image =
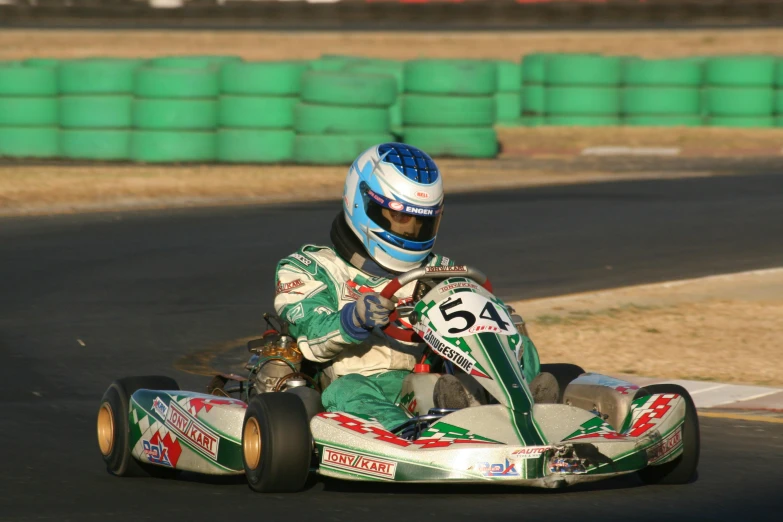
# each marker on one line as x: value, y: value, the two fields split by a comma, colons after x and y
x: 564, y: 373
x: 310, y: 398
x: 114, y: 407
x: 276, y: 425
x: 681, y: 470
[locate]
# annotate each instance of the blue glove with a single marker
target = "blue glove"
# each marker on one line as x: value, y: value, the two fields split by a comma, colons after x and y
x: 369, y: 310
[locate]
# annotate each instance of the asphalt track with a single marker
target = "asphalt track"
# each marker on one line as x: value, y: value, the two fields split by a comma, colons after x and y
x: 87, y: 299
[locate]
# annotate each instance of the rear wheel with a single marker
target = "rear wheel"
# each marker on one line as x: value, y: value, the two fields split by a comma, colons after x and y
x: 114, y: 430
x: 564, y: 373
x: 276, y: 443
x: 682, y: 469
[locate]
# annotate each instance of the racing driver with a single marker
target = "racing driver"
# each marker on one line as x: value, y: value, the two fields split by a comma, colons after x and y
x: 329, y: 295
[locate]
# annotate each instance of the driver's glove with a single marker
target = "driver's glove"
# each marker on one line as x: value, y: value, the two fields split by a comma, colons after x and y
x: 369, y: 310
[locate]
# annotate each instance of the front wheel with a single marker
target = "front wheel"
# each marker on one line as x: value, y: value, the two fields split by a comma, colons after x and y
x: 114, y: 430
x: 276, y: 443
x: 682, y: 469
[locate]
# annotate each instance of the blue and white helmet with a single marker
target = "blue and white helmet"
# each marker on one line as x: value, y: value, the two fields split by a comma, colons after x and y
x: 393, y: 202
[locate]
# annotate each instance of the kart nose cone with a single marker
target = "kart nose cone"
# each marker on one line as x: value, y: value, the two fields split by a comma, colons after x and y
x: 105, y: 429
x: 251, y: 443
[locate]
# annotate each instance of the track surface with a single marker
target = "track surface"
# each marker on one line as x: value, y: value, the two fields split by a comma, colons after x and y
x: 140, y: 290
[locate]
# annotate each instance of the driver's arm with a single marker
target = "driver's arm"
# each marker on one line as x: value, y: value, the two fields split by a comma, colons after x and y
x: 309, y: 304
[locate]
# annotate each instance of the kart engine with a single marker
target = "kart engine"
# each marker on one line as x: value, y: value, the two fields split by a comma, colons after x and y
x: 275, y: 364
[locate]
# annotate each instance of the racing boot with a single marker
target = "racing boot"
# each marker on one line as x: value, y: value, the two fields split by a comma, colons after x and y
x: 450, y: 393
x: 545, y: 389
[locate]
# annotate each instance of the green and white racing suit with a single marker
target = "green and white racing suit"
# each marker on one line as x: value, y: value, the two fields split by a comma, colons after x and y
x: 365, y: 375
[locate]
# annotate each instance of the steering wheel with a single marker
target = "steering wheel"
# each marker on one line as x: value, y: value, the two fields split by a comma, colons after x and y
x: 425, y: 272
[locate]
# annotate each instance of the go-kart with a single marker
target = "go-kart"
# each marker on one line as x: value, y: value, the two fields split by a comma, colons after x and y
x: 272, y: 427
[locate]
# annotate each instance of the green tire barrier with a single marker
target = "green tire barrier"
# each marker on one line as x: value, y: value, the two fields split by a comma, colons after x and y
x: 741, y: 71
x: 470, y: 142
x: 453, y: 77
x: 778, y: 103
x: 660, y: 100
x: 262, y: 78
x: 532, y: 121
x: 534, y: 99
x: 740, y: 121
x: 329, y: 65
x: 172, y: 146
x: 97, y: 76
x: 509, y: 76
x: 19, y: 80
x: 155, y: 82
x: 779, y: 74
x: 334, y: 149
x: 35, y: 111
x: 737, y: 101
x: 447, y: 111
x: 107, y: 111
x: 166, y: 114
x: 42, y: 62
x: 779, y: 121
x: 96, y: 144
x: 395, y: 71
x: 255, y: 146
x: 395, y: 116
x: 682, y: 72
x: 29, y: 142
x: 582, y: 100
x: 333, y: 119
x: 583, y: 69
x: 664, y: 121
x: 583, y: 121
x: 534, y: 68
x: 508, y: 107
x: 267, y: 112
x: 193, y: 62
x: 342, y: 88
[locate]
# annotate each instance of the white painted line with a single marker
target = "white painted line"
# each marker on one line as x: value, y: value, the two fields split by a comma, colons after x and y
x: 652, y: 286
x: 630, y: 151
x: 708, y: 389
x: 606, y: 151
x: 760, y: 395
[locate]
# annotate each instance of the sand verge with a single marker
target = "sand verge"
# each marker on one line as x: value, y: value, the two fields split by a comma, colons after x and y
x: 726, y: 328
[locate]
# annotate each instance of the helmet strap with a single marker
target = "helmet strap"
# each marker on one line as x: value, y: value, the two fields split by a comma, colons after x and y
x: 348, y: 247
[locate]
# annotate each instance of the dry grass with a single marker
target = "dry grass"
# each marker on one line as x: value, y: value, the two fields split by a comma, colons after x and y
x: 269, y: 45
x: 695, y: 140
x: 727, y: 329
x: 65, y: 189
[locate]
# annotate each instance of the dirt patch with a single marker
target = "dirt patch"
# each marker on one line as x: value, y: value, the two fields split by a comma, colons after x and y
x: 724, y: 328
x: 32, y: 190
x: 274, y: 45
x: 694, y: 141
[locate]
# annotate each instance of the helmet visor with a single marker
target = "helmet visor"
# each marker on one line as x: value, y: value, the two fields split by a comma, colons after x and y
x: 408, y: 222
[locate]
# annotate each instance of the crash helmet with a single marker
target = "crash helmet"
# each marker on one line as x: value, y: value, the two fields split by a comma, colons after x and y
x: 393, y: 202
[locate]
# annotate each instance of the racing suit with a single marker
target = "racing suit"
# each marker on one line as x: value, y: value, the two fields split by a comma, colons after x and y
x: 364, y: 370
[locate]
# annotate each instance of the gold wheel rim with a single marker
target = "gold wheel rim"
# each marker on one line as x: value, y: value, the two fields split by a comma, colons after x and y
x: 105, y: 429
x: 251, y: 443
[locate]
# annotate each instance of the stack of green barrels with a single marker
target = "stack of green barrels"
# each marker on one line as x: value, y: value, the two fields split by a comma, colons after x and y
x: 96, y: 101
x: 175, y: 110
x: 739, y: 91
x: 508, y: 98
x: 256, y: 111
x: 582, y: 89
x: 340, y: 114
x: 662, y: 92
x: 28, y: 111
x: 533, y: 89
x: 779, y: 94
x: 449, y: 107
